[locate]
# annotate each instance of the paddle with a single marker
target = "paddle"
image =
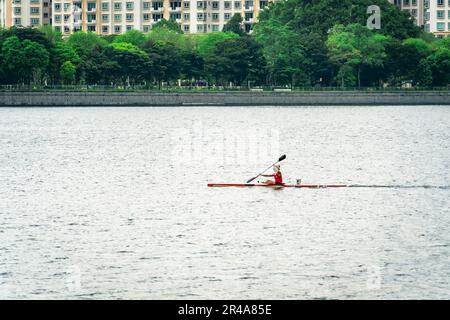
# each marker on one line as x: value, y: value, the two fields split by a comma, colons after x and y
x: 279, y: 160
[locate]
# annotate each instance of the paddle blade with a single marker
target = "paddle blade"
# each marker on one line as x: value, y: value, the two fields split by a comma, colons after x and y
x: 282, y: 158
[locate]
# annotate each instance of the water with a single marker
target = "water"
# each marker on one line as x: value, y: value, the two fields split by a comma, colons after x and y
x: 107, y: 203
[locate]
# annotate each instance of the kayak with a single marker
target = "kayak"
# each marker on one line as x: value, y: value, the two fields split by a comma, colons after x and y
x: 243, y: 185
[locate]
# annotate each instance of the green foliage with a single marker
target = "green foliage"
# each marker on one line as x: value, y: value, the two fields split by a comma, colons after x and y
x: 236, y: 61
x: 84, y: 42
x: 167, y: 25
x: 234, y: 25
x: 67, y: 72
x: 206, y: 42
x: 296, y: 43
x: 134, y: 37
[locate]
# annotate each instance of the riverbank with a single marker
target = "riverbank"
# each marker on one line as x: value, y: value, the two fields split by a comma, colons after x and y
x: 61, y: 98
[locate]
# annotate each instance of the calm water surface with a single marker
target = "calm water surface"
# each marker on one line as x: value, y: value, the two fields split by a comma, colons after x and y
x: 102, y: 203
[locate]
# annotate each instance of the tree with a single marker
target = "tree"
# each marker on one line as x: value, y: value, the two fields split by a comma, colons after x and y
x: 284, y: 54
x: 134, y: 37
x: 236, y: 60
x: 439, y: 62
x: 36, y: 59
x: 84, y: 42
x: 12, y: 60
x: 168, y: 25
x: 206, y: 42
x: 132, y: 63
x: 67, y: 72
x: 355, y: 46
x: 234, y: 25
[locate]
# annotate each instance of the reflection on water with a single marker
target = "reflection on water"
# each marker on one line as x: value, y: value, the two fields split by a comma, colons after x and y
x: 105, y: 203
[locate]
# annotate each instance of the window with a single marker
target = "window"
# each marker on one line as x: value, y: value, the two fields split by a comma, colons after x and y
x: 17, y: 21
x: 105, y: 7
x: 105, y: 17
x: 34, y: 10
x: 215, y: 27
x: 117, y: 17
x: 200, y: 27
x: 440, y: 26
x: 34, y: 21
x: 91, y: 28
x: 105, y: 29
x: 440, y: 14
x: 215, y: 4
x: 237, y: 4
x: 91, y: 6
x: 17, y: 10
x: 227, y: 16
x: 91, y: 17
x: 66, y: 7
x: 200, y: 16
x: 130, y: 5
x: 175, y: 16
x: 117, y: 6
x: 117, y: 29
x: 146, y: 5
x: 157, y: 5
x: 45, y: 4
x: 58, y: 29
x: 66, y: 29
x: 186, y: 4
x: 146, y: 17
x: 129, y: 17
x: 146, y: 28
x: 227, y: 4
x: 129, y: 27
x: 66, y: 17
x: 156, y: 16
x: 175, y: 5
x: 186, y: 16
x: 186, y: 28
x: 215, y: 16
x: 57, y: 6
x: 440, y: 2
x: 57, y: 18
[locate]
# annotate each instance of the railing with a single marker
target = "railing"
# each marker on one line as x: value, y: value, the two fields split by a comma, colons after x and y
x: 204, y: 87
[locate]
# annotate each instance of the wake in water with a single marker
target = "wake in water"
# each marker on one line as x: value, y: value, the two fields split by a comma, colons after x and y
x: 399, y: 186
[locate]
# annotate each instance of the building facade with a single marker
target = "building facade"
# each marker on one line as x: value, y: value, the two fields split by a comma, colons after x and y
x: 432, y: 15
x: 107, y: 17
x: 438, y: 18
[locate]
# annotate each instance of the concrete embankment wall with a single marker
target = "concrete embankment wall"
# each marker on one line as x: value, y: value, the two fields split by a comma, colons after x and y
x: 58, y: 98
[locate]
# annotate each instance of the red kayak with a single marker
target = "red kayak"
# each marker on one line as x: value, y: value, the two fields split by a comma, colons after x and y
x: 243, y: 185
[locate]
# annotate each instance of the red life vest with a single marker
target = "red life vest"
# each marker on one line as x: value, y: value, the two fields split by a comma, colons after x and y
x: 278, y: 178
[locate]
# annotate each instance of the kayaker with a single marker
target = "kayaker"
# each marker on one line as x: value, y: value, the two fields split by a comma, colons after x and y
x: 278, y: 177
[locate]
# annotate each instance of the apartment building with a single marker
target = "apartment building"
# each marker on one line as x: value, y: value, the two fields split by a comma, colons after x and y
x: 432, y: 15
x: 25, y: 12
x: 416, y: 8
x: 117, y: 16
x: 438, y: 18
x: 106, y: 17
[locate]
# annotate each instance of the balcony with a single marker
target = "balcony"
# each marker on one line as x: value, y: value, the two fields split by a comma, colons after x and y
x: 248, y: 8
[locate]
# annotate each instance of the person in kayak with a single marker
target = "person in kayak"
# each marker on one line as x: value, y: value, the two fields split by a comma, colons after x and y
x: 278, y: 177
